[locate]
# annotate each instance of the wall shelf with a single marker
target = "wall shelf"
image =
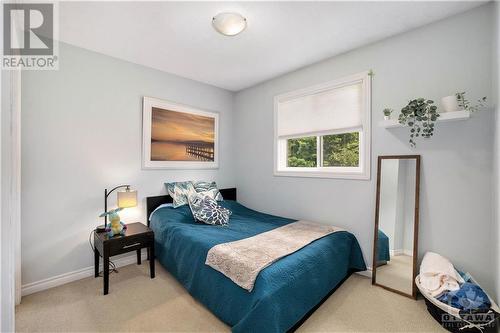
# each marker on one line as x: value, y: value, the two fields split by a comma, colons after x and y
x: 445, y: 116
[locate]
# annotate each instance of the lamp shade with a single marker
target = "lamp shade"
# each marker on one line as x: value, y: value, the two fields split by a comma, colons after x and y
x: 127, y: 198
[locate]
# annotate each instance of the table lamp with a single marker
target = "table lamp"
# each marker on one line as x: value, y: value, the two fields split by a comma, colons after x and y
x: 126, y: 198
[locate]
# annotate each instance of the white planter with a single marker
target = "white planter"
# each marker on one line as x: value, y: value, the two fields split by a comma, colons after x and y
x: 387, y: 117
x: 449, y: 104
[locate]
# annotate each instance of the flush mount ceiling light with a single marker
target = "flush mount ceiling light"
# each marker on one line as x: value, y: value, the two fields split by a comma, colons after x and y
x: 229, y: 24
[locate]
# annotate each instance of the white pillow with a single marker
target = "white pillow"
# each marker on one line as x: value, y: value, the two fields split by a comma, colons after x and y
x: 160, y: 206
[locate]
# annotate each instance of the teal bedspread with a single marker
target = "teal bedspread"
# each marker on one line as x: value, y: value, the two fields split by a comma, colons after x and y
x: 284, y: 292
x: 382, y: 247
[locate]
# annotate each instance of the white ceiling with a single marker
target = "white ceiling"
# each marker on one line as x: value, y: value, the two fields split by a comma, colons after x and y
x: 177, y: 37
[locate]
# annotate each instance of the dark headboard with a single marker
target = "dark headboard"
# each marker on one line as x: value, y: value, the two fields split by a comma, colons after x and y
x: 153, y: 202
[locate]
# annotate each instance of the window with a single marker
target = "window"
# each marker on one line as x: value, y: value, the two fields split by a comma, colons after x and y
x: 324, y: 131
x: 302, y: 152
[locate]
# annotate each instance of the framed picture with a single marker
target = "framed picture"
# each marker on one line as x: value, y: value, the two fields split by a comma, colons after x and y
x: 176, y: 136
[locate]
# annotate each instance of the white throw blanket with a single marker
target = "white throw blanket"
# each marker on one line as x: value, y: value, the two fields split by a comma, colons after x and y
x: 437, y: 274
x: 242, y: 260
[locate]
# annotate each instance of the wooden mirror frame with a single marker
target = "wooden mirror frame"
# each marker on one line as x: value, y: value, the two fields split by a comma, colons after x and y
x: 415, y: 224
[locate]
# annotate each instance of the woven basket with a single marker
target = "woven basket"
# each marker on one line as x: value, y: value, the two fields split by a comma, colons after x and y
x: 449, y: 317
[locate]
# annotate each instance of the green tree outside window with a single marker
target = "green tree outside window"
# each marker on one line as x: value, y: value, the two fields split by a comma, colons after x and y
x: 302, y: 152
x: 339, y: 150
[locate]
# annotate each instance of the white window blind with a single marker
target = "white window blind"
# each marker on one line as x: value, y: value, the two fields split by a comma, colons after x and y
x: 333, y: 109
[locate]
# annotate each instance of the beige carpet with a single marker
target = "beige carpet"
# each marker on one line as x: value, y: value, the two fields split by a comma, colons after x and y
x: 137, y: 303
x: 397, y: 273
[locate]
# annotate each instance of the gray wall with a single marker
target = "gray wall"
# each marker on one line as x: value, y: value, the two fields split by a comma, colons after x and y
x: 397, y: 203
x: 81, y: 133
x: 388, y: 200
x: 409, y: 203
x: 456, y: 187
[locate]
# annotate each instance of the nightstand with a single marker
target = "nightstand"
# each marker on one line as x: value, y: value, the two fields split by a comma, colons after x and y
x: 137, y: 236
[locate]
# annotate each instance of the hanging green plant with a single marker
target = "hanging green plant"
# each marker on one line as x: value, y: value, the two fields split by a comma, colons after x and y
x: 420, y: 115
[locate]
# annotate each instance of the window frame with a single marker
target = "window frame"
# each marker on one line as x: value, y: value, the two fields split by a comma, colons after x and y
x: 280, y: 143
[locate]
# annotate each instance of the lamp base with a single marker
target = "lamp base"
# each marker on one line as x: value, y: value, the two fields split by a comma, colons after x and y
x: 100, y: 228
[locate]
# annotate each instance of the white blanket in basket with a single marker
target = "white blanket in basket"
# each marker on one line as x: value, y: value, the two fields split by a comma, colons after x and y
x: 438, y: 275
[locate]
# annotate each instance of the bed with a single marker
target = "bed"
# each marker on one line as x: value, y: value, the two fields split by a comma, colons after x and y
x: 285, y: 293
x: 382, y: 248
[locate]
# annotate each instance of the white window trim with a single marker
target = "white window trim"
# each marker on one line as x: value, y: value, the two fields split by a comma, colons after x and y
x: 363, y: 171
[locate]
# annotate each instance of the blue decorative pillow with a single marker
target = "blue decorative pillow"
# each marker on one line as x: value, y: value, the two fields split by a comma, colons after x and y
x: 202, y: 186
x: 206, y: 210
x: 180, y: 192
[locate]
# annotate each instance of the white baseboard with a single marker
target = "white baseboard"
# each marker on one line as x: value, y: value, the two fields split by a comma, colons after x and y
x: 59, y: 280
x: 400, y: 252
x: 396, y: 252
x: 367, y: 273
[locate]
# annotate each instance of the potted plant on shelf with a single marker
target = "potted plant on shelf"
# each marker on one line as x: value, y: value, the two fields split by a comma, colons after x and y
x: 465, y: 104
x: 459, y: 102
x: 420, y: 115
x: 387, y: 113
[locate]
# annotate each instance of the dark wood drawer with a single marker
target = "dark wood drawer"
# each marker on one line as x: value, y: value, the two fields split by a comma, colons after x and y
x: 127, y: 244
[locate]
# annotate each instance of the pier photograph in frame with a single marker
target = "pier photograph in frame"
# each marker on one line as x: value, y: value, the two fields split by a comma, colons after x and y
x: 177, y: 136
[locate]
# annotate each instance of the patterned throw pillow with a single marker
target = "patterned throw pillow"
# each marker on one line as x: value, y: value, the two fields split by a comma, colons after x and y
x: 180, y: 192
x: 206, y: 210
x: 202, y: 186
x: 196, y: 200
x: 213, y: 193
x: 195, y: 203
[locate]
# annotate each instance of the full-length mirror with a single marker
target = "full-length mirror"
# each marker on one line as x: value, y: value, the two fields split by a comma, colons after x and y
x: 396, y: 223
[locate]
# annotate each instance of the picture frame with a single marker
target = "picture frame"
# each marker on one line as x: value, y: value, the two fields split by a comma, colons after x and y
x: 178, y: 136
